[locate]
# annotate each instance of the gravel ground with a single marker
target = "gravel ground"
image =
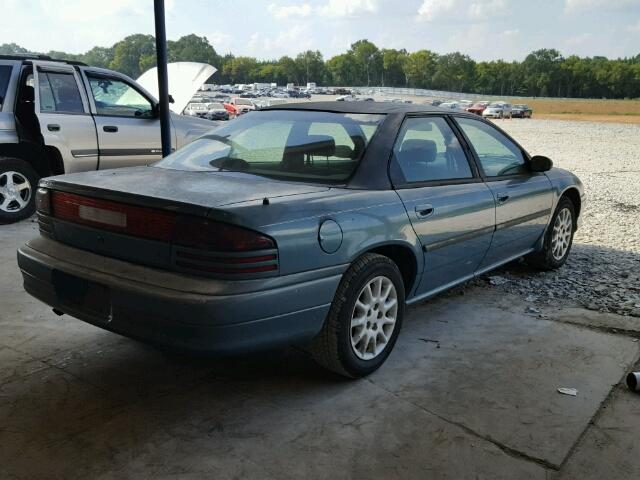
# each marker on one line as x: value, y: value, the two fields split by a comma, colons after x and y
x: 603, y: 270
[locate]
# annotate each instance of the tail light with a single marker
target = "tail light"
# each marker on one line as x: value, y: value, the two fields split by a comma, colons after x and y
x: 199, y: 244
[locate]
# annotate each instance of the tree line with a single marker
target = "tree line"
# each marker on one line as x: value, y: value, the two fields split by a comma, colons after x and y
x: 544, y: 72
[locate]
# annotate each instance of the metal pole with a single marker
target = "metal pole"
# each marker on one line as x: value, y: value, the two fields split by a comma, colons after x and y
x: 163, y: 79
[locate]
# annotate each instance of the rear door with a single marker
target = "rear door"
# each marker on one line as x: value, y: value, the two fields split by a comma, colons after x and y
x: 62, y: 109
x: 451, y: 209
x: 128, y: 127
x: 523, y: 198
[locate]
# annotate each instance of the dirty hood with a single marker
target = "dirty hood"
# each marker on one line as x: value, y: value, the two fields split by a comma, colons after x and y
x: 185, y: 78
x: 175, y: 187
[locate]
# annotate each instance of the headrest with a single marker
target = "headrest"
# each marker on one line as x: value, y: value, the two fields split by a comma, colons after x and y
x: 317, y: 145
x: 420, y: 149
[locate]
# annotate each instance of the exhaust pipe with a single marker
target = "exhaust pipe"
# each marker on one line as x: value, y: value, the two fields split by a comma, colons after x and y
x: 633, y: 381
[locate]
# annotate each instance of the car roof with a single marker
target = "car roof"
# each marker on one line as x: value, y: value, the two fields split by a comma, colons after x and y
x: 31, y: 57
x: 359, y: 107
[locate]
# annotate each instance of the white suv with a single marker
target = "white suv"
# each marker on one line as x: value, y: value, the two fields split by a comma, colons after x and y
x: 62, y: 117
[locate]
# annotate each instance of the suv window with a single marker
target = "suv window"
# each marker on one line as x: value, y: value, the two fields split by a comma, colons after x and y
x: 59, y: 93
x: 497, y: 154
x: 5, y: 75
x: 428, y: 150
x: 115, y: 97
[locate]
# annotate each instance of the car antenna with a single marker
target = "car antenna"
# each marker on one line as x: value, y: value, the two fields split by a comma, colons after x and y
x: 265, y: 201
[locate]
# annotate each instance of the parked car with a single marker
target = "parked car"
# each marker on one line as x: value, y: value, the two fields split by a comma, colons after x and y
x: 451, y: 106
x: 216, y: 111
x: 521, y: 111
x: 346, y: 98
x: 477, y: 107
x: 238, y: 106
x: 497, y: 110
x: 197, y: 109
x: 305, y: 223
x: 59, y: 117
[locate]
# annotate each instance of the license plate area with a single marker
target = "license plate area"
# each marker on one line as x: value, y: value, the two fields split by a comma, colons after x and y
x: 82, y: 295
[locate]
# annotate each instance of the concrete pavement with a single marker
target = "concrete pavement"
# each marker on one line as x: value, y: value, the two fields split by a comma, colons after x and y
x: 469, y: 392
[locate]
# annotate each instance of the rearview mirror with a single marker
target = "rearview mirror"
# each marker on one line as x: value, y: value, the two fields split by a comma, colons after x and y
x: 540, y: 163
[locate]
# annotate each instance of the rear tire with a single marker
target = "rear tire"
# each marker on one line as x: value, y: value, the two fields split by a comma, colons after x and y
x: 365, y: 318
x: 18, y: 184
x: 557, y: 240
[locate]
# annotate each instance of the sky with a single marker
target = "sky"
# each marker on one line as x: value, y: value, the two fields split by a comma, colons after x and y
x: 483, y: 29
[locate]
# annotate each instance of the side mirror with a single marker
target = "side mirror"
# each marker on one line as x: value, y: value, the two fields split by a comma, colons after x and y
x: 540, y: 163
x: 171, y: 100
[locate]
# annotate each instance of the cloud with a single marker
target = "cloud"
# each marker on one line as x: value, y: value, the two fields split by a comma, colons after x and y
x: 290, y: 42
x: 285, y: 11
x: 348, y: 8
x: 331, y: 8
x: 431, y: 10
x: 579, y: 6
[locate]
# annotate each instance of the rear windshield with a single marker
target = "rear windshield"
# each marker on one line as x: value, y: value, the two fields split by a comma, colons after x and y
x: 5, y: 74
x: 294, y: 145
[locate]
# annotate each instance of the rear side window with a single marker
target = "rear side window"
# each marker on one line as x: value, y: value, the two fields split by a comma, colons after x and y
x: 59, y: 93
x: 427, y: 150
x: 5, y: 75
x: 497, y: 154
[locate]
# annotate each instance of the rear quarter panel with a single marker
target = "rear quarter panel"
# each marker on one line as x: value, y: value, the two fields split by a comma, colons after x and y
x: 368, y: 219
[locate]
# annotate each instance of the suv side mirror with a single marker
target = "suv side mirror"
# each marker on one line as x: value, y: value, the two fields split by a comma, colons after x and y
x: 540, y: 163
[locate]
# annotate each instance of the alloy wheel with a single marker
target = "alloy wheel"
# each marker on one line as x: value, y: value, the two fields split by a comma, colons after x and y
x: 561, y: 234
x: 374, y: 318
x: 15, y: 191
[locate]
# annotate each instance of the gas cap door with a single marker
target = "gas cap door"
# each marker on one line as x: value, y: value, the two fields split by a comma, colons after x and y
x: 330, y: 236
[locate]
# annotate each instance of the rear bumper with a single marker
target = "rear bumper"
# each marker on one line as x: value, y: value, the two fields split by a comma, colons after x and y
x: 185, y: 313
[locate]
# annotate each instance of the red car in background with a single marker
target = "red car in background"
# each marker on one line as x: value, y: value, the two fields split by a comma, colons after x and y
x: 478, y: 108
x: 238, y: 106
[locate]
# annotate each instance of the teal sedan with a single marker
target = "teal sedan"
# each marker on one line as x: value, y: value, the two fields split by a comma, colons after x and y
x: 312, y: 224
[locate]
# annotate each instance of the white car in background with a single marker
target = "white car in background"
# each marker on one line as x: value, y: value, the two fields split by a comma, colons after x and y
x: 196, y: 109
x: 497, y: 110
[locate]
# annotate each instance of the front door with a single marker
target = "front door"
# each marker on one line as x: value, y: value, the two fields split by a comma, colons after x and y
x: 523, y: 198
x: 63, y: 114
x: 451, y: 210
x: 127, y: 125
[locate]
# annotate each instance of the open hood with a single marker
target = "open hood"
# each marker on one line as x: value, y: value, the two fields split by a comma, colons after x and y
x: 185, y: 78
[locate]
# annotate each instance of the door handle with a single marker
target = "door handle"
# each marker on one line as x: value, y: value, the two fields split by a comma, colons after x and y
x: 110, y: 128
x: 424, y: 210
x: 53, y: 127
x: 502, y: 197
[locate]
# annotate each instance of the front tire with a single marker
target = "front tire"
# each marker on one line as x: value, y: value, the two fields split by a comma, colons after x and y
x: 18, y: 183
x: 558, y: 238
x: 365, y: 318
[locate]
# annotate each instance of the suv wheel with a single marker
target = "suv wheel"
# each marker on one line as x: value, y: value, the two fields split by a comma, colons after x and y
x: 364, y: 320
x: 18, y: 183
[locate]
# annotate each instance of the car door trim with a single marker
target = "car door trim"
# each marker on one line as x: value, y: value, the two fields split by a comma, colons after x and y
x: 124, y: 152
x: 460, y: 238
x: 526, y: 218
x: 89, y: 152
x: 483, y: 231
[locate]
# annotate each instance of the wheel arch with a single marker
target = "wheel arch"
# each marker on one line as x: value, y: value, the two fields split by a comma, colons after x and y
x: 45, y: 160
x: 573, y: 194
x: 404, y: 256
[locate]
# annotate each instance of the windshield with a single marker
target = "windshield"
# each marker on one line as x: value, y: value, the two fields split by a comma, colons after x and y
x: 240, y: 101
x: 5, y: 74
x: 216, y: 106
x: 296, y: 145
x: 198, y: 106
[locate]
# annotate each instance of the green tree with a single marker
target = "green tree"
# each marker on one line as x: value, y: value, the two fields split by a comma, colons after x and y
x: 129, y: 52
x: 419, y: 68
